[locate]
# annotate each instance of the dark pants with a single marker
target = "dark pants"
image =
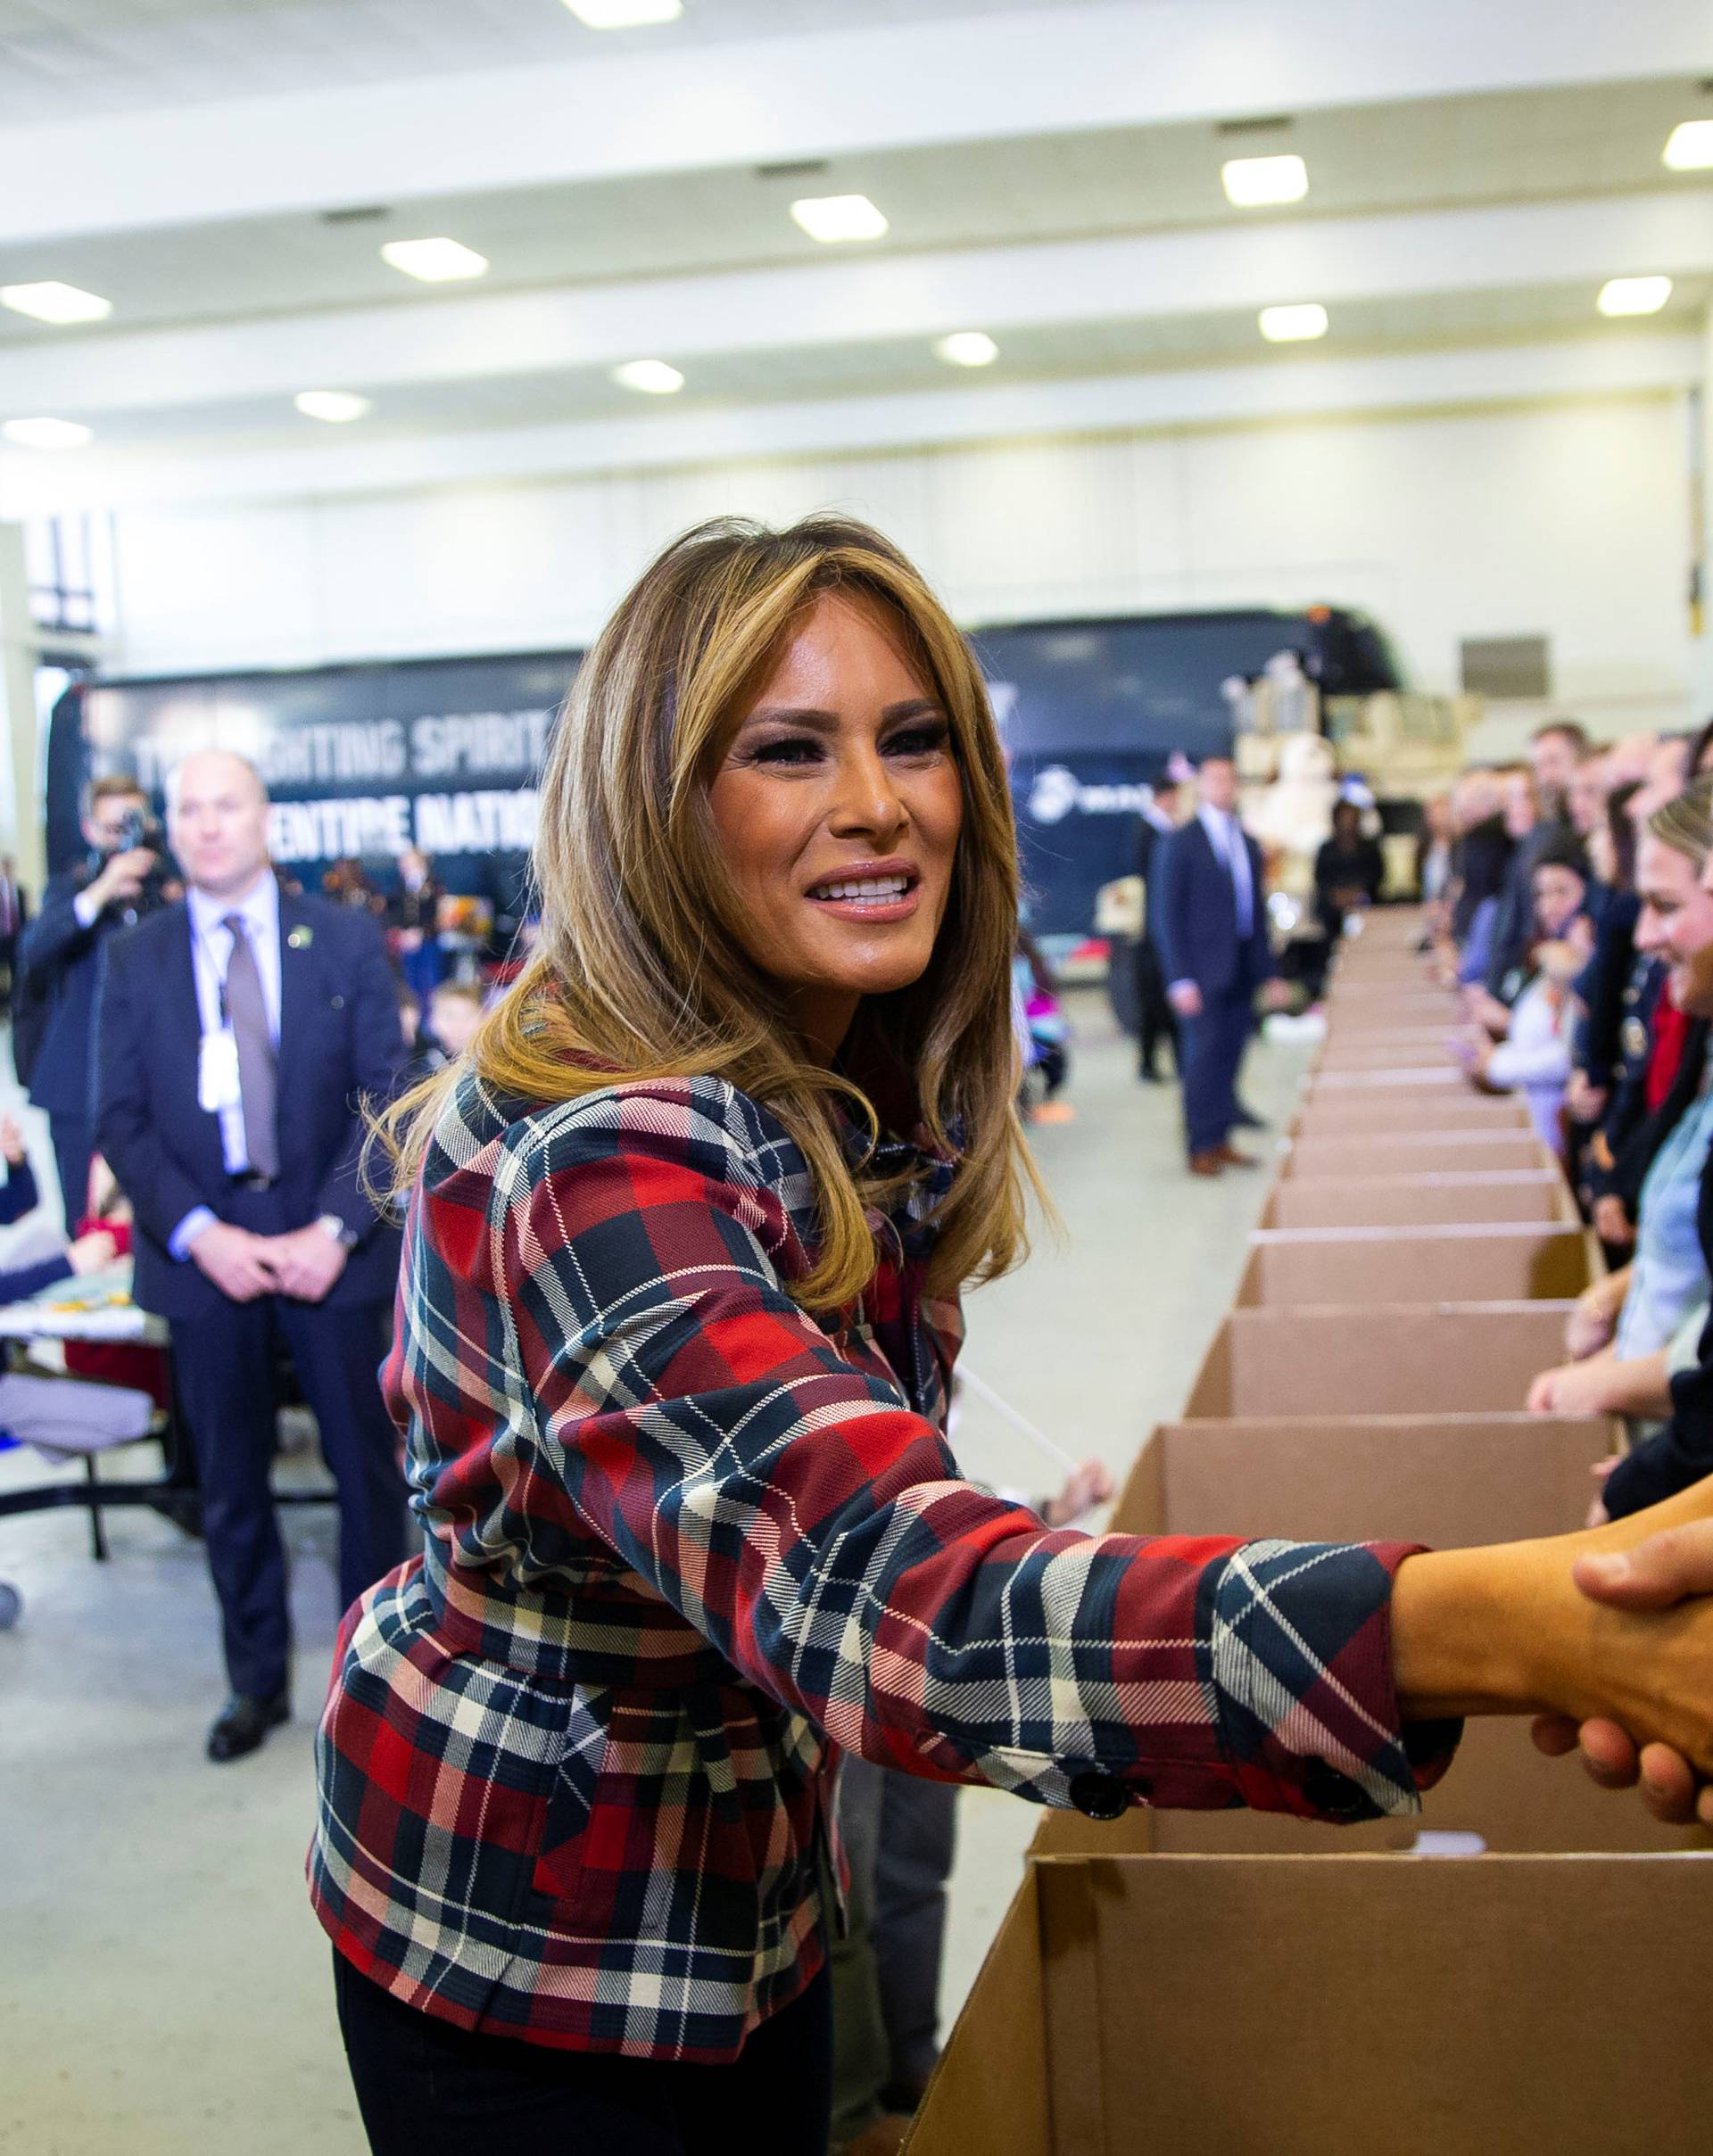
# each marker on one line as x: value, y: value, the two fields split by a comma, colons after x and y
x: 74, y: 1147
x: 1155, y: 1020
x: 424, y: 969
x: 1210, y: 1052
x: 900, y: 1833
x: 428, y: 2089
x: 224, y: 1363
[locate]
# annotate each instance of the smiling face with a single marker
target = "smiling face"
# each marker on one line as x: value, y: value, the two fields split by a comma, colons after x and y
x: 836, y: 808
x: 1677, y: 918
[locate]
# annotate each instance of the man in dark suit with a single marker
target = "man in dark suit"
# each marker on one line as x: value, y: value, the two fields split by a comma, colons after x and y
x: 1210, y: 924
x: 1156, y: 1020
x: 240, y: 1034
x: 59, y: 953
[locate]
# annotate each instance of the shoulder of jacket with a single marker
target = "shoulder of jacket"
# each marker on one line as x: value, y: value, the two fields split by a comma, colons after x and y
x: 158, y: 926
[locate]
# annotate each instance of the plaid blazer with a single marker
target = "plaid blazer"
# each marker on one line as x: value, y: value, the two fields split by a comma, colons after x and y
x: 683, y: 1542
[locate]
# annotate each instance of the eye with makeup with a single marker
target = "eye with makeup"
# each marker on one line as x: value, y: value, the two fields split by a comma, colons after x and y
x: 922, y: 738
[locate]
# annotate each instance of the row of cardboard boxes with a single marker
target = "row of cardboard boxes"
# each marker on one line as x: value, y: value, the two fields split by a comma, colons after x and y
x: 1529, y: 1959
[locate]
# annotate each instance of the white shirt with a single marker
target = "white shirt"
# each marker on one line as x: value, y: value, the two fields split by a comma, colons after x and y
x: 211, y: 953
x: 1225, y: 835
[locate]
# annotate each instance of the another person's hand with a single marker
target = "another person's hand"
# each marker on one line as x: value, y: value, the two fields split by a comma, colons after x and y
x: 1612, y: 1223
x: 1277, y: 996
x: 1085, y: 1487
x: 306, y: 1262
x: 123, y: 876
x: 1598, y: 1516
x: 92, y: 1253
x: 1184, y: 999
x: 1489, y: 1014
x: 1574, y: 1388
x: 1592, y: 1323
x: 1656, y: 1574
x: 237, y: 1262
x: 12, y: 1141
x: 1584, y: 1101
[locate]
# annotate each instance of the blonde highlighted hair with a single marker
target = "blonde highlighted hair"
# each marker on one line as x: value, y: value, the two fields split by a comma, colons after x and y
x: 642, y: 970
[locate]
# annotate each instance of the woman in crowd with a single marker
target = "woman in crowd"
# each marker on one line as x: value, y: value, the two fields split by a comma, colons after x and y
x: 1348, y: 869
x: 86, y: 1253
x: 1621, y: 1336
x: 687, y: 1231
x: 1534, y: 1057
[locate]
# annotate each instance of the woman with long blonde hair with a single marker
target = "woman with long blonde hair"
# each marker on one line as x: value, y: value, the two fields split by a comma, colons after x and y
x: 687, y: 1229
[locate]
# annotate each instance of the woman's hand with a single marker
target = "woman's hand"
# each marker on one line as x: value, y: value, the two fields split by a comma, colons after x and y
x: 1656, y: 1575
x: 12, y: 1141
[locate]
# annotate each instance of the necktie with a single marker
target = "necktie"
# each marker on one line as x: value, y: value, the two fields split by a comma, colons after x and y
x: 247, y: 1009
x: 1237, y: 859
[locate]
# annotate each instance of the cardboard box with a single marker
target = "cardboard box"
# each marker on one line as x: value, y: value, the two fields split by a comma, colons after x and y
x: 1449, y: 1482
x: 1444, y: 1106
x: 1483, y: 1261
x: 1388, y: 1048
x: 1481, y: 1148
x: 1281, y: 2007
x: 1374, y: 1358
x: 1455, y: 1195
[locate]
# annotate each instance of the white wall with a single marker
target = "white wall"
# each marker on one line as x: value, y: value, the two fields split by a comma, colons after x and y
x: 1570, y: 520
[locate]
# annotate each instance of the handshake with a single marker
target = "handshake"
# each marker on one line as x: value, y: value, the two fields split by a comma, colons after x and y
x: 1674, y: 1566
x: 303, y: 1264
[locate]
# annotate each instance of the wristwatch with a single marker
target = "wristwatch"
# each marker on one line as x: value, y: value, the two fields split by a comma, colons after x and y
x: 330, y: 1224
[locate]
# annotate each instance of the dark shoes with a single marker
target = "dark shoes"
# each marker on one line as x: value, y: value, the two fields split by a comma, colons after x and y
x: 1228, y: 1156
x: 1205, y: 1164
x: 243, y: 1723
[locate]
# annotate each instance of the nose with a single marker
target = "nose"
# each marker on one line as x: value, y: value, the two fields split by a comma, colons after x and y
x: 866, y: 801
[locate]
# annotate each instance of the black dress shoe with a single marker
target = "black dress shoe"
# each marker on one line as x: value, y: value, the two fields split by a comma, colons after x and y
x: 1246, y: 1118
x: 243, y: 1723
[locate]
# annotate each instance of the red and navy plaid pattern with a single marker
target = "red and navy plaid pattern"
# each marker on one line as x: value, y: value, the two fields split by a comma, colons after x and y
x: 683, y: 1543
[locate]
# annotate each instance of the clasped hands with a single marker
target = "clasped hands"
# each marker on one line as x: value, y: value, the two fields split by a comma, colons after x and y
x: 303, y: 1264
x: 1662, y: 1576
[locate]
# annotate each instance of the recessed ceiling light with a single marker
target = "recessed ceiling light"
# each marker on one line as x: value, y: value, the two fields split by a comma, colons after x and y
x: 1296, y: 324
x: 1690, y: 148
x: 438, y: 261
x: 336, y: 406
x: 832, y: 217
x: 48, y: 433
x: 967, y: 348
x: 624, y: 14
x: 1633, y: 295
x: 52, y: 303
x: 653, y: 377
x: 1254, y: 182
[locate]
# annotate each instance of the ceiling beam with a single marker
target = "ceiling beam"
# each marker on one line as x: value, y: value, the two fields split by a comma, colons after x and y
x: 1618, y: 364
x: 675, y: 108
x: 852, y: 300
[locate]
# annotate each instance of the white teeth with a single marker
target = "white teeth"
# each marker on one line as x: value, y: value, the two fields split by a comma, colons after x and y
x: 875, y: 886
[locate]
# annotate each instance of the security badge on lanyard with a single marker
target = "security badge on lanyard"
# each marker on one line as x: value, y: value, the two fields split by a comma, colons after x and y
x: 217, y: 1087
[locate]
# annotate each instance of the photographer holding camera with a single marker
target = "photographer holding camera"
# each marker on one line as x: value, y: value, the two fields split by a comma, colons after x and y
x: 122, y: 879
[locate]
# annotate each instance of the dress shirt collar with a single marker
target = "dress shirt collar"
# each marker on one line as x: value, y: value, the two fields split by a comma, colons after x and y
x: 259, y: 906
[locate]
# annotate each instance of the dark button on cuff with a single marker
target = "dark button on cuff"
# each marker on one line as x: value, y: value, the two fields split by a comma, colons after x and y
x: 1333, y: 1793
x: 1099, y: 1796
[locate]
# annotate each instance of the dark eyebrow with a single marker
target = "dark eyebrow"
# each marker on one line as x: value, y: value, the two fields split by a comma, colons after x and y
x: 827, y: 722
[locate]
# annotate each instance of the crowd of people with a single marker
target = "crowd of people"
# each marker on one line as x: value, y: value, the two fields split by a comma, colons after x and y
x: 647, y: 1293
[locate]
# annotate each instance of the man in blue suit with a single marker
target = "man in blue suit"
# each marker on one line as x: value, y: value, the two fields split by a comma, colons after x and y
x: 1210, y: 924
x: 239, y: 1035
x: 59, y: 955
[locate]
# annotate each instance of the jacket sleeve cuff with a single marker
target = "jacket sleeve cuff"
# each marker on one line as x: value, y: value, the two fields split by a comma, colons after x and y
x: 1301, y: 1671
x: 188, y: 1230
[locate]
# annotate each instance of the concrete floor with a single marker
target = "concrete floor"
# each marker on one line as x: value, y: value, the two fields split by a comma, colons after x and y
x: 163, y: 1988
